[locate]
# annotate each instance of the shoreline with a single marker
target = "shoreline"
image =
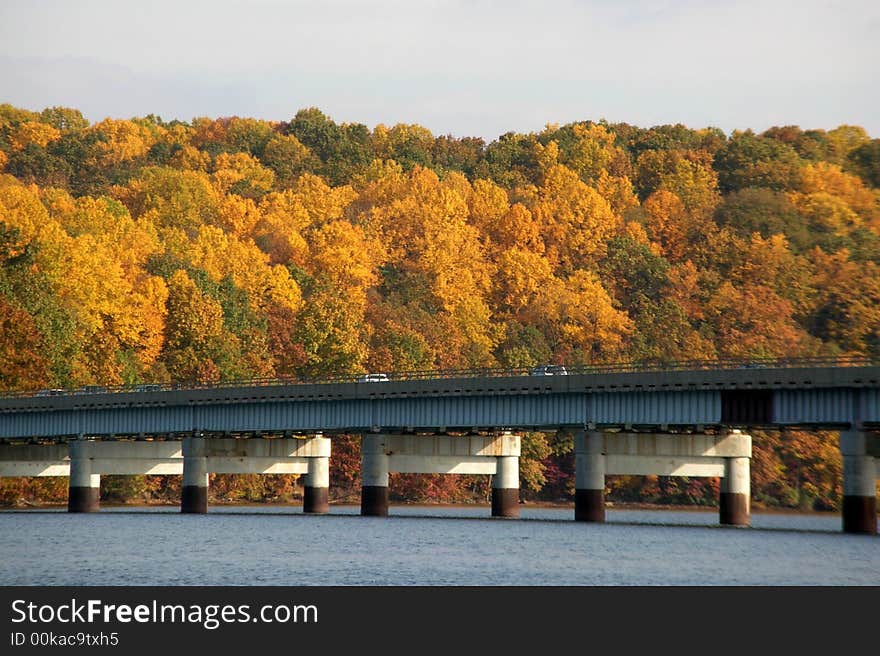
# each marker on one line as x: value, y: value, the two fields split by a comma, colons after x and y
x: 609, y: 505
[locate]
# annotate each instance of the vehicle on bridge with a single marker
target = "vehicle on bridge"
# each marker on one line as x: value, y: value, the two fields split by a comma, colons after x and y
x: 91, y: 389
x: 148, y: 388
x: 56, y: 391
x: 549, y: 370
x: 373, y: 378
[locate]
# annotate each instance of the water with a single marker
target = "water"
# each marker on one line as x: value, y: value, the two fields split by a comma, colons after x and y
x: 427, y: 546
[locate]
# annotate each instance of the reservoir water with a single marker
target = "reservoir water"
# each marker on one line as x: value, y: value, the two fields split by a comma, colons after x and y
x: 454, y: 546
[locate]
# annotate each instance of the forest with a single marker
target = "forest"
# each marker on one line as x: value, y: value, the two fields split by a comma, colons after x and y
x: 143, y: 251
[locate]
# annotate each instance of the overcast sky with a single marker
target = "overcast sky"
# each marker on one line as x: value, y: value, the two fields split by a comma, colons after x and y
x: 468, y: 68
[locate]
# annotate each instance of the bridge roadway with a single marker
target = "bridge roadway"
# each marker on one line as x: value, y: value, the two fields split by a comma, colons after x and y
x: 656, y: 408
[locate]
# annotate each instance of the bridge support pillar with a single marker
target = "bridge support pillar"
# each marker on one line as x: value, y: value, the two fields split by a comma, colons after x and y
x: 589, y: 487
x: 194, y: 493
x: 505, y: 487
x: 859, y: 484
x: 734, y: 501
x: 84, y: 490
x: 316, y: 495
x: 374, y: 476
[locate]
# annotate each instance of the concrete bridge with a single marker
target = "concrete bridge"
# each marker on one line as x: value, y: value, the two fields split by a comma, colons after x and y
x: 684, y: 419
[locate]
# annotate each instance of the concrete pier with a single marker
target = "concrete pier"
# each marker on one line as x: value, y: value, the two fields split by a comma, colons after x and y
x: 505, y: 487
x: 734, y: 500
x: 84, y: 487
x: 316, y: 493
x: 860, y: 451
x: 589, y: 486
x: 643, y: 454
x: 495, y: 454
x: 374, y: 476
x: 194, y: 493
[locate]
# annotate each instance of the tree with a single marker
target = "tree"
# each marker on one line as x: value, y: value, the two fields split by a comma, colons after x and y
x: 64, y: 118
x: 343, y: 149
x: 767, y: 212
x: 865, y: 162
x: 22, y: 363
x: 747, y: 160
x: 243, y: 175
x: 193, y: 332
x: 409, y: 145
x: 847, y: 309
x: 171, y: 198
x: 575, y: 221
x: 289, y: 159
x: 32, y: 133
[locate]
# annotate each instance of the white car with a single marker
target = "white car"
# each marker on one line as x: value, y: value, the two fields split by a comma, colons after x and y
x: 549, y: 370
x: 373, y: 378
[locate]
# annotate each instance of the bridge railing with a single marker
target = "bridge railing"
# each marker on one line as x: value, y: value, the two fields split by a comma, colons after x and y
x: 494, y: 372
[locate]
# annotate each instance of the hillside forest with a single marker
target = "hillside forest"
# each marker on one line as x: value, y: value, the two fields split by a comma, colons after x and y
x: 143, y: 250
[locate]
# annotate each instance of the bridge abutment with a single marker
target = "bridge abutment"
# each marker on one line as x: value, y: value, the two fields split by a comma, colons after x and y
x: 194, y: 492
x: 374, y: 476
x: 860, y: 451
x: 589, y: 486
x: 84, y: 491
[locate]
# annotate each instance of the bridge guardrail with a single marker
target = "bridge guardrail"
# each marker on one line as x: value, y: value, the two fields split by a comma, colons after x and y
x: 496, y: 372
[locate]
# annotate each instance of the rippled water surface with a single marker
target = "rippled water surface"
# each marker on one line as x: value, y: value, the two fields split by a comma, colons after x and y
x: 427, y: 546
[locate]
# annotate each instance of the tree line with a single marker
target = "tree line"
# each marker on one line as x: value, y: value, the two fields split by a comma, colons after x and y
x: 143, y: 250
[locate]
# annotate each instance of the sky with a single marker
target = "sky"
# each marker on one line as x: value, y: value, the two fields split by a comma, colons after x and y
x: 461, y: 67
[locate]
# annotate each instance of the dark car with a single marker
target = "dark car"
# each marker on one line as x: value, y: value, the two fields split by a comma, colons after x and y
x: 150, y: 387
x: 91, y: 389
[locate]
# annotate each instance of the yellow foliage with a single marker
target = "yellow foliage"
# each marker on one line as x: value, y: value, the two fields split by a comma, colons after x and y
x: 189, y: 158
x: 238, y: 215
x: 517, y: 228
x: 278, y: 233
x: 21, y: 209
x: 575, y: 221
x: 387, y: 141
x: 593, y: 150
x: 696, y: 184
x: 206, y: 131
x: 487, y: 204
x: 33, y: 132
x: 755, y: 321
x: 232, y: 168
x: 636, y: 232
x: 580, y: 317
x: 220, y: 255
x: 521, y: 277
x: 458, y: 183
x: 322, y: 202
x: 120, y: 141
x: 666, y: 222
x: 618, y: 192
x: 823, y: 177
x: 341, y: 252
x: 828, y: 212
x: 548, y: 156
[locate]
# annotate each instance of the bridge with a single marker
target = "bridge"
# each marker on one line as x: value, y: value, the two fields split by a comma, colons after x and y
x: 676, y: 419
